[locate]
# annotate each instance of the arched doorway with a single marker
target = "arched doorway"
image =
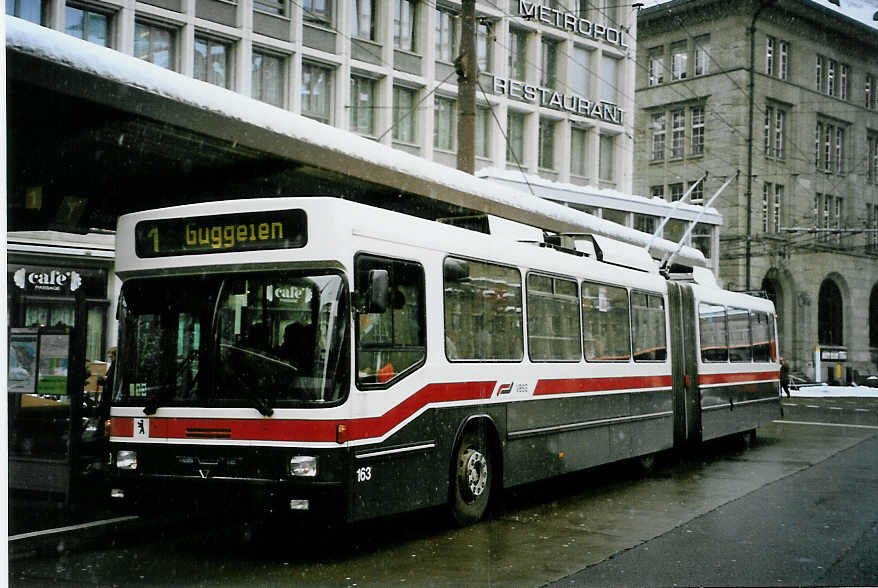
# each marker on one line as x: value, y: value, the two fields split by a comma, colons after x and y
x: 873, y: 318
x: 774, y: 291
x: 830, y: 315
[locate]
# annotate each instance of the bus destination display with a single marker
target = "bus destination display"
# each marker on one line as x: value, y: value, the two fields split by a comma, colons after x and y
x: 282, y: 229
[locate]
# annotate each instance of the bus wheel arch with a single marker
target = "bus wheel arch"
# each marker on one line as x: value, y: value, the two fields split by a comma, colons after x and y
x: 475, y: 473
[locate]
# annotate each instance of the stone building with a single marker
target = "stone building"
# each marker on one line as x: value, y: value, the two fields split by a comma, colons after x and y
x: 786, y: 94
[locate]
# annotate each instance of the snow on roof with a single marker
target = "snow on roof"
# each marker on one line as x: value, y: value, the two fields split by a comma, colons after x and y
x: 54, y: 46
x: 863, y: 11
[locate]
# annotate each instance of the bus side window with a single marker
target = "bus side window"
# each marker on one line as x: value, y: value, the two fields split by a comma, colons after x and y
x: 390, y: 343
x: 739, y: 335
x: 763, y: 338
x: 648, y: 327
x: 714, y: 333
x: 605, y: 318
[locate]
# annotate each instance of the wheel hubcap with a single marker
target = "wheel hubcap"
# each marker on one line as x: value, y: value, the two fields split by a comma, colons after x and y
x: 474, y: 472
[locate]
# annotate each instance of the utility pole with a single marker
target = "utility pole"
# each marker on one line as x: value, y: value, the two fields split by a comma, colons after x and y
x: 467, y: 72
x: 752, y: 91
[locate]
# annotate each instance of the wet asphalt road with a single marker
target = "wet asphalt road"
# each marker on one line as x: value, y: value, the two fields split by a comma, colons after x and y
x: 800, y: 507
x: 816, y: 527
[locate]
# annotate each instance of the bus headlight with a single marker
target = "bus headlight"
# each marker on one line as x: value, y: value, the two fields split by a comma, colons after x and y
x: 126, y: 460
x: 304, y: 466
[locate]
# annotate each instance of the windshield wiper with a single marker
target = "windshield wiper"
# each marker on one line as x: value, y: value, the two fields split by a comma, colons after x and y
x: 154, y: 399
x: 262, y: 404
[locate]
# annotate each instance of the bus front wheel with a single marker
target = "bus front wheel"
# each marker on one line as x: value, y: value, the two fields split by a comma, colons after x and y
x: 472, y: 477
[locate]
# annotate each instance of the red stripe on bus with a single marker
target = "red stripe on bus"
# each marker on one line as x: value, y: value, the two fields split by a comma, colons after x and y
x: 306, y: 429
x: 122, y: 427
x: 574, y: 385
x: 706, y: 379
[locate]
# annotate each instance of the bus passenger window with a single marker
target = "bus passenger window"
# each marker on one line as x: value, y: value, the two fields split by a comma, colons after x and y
x: 393, y: 342
x: 712, y: 326
x: 552, y: 319
x: 606, y: 334
x: 648, y: 327
x: 483, y: 315
x: 762, y: 328
x: 739, y: 335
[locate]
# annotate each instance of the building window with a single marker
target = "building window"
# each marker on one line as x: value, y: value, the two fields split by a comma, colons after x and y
x: 580, y: 70
x: 843, y: 81
x: 517, y: 54
x: 871, y: 88
x: 363, y: 105
x: 609, y: 78
x: 656, y: 66
x: 820, y: 66
x: 405, y: 18
x: 645, y: 223
x: 30, y: 10
x: 485, y: 46
x: 657, y: 191
x: 676, y: 191
x: 515, y: 122
x: 829, y: 148
x: 579, y: 152
x: 155, y: 44
x: 267, y: 78
x: 446, y: 35
x: 547, y: 144
x: 404, y: 114
x: 445, y: 124
x: 212, y: 62
x: 678, y: 133
x: 317, y: 11
x: 773, y: 140
x: 696, y: 194
x: 316, y: 92
x: 278, y: 7
x: 770, y: 42
x: 549, y: 71
x: 783, y: 68
x: 778, y: 203
x: 831, y: 66
x: 88, y: 25
x: 697, y: 143
x: 484, y: 124
x: 702, y: 55
x: 702, y: 235
x: 772, y: 200
x: 679, y: 61
x: 607, y: 158
x: 658, y: 136
x: 363, y: 19
x: 872, y: 159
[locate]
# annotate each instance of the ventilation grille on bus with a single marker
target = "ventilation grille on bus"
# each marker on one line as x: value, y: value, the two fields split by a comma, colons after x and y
x: 194, y: 433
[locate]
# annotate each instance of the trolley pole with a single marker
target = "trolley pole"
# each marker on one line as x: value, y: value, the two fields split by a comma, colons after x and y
x: 467, y: 72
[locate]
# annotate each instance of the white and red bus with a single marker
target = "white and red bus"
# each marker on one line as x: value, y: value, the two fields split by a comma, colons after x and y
x: 317, y: 355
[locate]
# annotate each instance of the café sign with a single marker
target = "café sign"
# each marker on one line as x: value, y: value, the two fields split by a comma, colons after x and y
x: 47, y: 280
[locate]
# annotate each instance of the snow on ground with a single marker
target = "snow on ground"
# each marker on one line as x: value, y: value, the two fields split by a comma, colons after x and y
x: 823, y: 391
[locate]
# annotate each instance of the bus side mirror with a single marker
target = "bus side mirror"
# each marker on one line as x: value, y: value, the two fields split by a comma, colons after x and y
x: 378, y: 291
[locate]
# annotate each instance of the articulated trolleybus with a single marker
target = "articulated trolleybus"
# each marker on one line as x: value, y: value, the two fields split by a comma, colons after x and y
x: 315, y: 354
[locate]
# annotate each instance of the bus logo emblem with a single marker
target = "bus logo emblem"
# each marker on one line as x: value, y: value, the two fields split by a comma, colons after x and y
x: 204, y: 473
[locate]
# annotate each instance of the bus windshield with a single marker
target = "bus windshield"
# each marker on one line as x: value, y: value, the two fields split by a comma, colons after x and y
x: 272, y: 339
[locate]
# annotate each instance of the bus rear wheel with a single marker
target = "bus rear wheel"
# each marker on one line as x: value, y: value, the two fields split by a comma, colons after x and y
x: 472, y: 476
